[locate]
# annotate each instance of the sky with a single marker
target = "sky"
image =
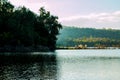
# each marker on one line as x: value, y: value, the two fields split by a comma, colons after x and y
x: 79, y: 13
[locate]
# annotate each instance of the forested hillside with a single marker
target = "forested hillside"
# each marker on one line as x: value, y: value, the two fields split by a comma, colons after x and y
x: 71, y: 36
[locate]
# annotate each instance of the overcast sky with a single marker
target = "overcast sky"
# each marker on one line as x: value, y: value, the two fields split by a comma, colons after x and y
x: 81, y: 13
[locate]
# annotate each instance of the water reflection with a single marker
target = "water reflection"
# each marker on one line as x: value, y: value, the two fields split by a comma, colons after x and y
x: 41, y: 67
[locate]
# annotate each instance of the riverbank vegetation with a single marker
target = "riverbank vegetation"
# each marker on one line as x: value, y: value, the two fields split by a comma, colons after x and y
x: 20, y: 28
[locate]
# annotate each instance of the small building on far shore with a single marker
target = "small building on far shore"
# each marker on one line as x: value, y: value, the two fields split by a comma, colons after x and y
x: 80, y: 46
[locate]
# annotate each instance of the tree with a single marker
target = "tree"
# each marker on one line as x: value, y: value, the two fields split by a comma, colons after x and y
x: 23, y: 27
x: 48, y: 28
x: 6, y: 10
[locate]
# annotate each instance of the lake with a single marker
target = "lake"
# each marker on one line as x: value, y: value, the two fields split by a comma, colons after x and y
x: 101, y: 64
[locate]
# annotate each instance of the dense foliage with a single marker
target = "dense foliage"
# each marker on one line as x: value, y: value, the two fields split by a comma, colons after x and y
x: 22, y: 27
x: 71, y: 36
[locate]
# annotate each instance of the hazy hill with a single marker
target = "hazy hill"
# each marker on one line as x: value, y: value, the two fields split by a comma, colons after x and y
x: 71, y: 36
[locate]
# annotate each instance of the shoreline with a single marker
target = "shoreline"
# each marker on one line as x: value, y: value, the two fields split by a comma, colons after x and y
x: 10, y: 48
x: 73, y: 48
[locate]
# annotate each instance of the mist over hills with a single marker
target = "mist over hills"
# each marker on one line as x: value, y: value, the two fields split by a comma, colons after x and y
x: 71, y: 36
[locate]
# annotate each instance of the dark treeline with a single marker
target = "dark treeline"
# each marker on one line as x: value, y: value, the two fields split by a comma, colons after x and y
x: 71, y: 36
x: 21, y: 27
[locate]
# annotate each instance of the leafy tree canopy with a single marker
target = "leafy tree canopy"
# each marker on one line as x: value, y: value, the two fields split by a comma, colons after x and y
x: 23, y: 27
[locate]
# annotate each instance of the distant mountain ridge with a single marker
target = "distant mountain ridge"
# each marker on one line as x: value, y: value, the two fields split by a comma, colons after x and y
x: 70, y: 36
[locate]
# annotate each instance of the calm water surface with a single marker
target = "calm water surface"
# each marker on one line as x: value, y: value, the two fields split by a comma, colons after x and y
x: 64, y: 65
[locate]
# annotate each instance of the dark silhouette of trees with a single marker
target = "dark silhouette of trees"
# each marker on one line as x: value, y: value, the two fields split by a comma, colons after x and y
x: 6, y: 10
x: 47, y: 24
x: 22, y: 27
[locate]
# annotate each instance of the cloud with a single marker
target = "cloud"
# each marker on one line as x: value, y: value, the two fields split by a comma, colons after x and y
x: 34, y: 1
x: 33, y: 5
x: 98, y: 17
x: 99, y: 20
